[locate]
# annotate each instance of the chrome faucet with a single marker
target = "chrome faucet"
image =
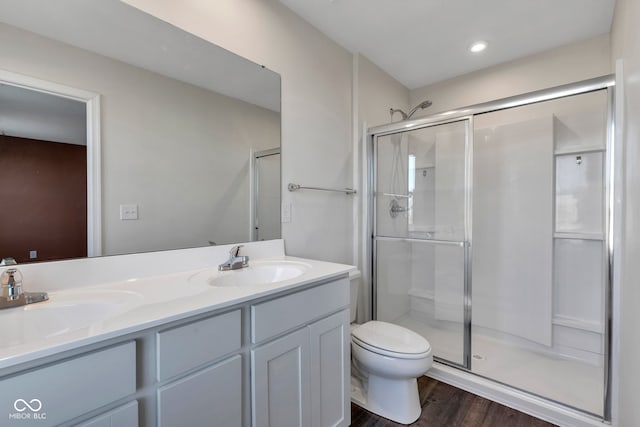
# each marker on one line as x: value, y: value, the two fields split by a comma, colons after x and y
x: 12, y: 295
x: 235, y: 262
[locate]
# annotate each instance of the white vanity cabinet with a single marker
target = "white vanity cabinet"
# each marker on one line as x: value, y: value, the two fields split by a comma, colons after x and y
x: 300, y: 358
x: 277, y: 359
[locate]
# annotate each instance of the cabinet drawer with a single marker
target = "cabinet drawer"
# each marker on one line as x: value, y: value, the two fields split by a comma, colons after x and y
x: 282, y: 314
x: 122, y: 416
x: 65, y: 390
x: 189, y: 346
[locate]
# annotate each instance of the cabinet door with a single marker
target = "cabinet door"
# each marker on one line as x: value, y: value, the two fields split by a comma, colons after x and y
x: 212, y: 396
x: 280, y: 382
x: 329, y: 352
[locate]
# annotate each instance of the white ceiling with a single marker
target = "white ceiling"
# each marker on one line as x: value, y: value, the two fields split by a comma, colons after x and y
x: 31, y: 114
x: 420, y: 42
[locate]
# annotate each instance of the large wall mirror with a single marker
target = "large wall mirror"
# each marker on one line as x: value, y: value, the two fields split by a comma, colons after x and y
x: 120, y: 133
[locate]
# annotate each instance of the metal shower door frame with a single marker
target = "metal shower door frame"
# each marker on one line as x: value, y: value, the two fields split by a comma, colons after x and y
x: 606, y: 83
x: 465, y: 243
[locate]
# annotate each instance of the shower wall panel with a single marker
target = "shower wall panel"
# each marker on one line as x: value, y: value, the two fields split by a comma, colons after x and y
x: 423, y: 215
x: 450, y: 184
x: 392, y: 184
x: 579, y: 297
x: 394, y: 279
x: 513, y: 227
x: 579, y: 193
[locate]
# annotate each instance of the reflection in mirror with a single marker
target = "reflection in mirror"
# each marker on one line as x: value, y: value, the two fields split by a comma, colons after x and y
x: 43, y: 169
x: 170, y: 131
x: 266, y: 197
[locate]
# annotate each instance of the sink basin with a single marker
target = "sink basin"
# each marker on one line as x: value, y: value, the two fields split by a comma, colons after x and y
x: 258, y: 273
x: 64, y: 312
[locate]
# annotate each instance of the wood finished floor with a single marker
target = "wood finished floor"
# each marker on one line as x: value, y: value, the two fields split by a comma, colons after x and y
x: 446, y: 406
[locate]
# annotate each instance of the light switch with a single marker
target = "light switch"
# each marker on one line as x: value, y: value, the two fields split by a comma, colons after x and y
x: 128, y: 212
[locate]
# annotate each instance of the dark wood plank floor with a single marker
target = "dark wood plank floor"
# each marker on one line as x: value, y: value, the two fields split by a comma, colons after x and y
x: 447, y: 406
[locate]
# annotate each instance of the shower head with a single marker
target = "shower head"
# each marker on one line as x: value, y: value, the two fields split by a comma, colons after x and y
x: 405, y: 116
x: 421, y: 106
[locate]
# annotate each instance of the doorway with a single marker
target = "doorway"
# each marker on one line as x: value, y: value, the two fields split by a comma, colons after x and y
x: 51, y: 170
x: 266, y: 195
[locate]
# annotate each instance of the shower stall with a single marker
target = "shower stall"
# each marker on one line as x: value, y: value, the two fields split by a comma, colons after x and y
x: 492, y: 237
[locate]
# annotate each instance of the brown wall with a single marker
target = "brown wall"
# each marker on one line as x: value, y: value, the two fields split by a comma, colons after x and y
x: 43, y: 199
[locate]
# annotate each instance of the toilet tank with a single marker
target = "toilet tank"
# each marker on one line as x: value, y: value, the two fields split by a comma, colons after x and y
x: 354, y: 278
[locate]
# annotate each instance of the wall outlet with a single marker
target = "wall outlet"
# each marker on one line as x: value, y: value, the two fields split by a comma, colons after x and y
x: 286, y: 212
x: 128, y: 212
x: 33, y: 254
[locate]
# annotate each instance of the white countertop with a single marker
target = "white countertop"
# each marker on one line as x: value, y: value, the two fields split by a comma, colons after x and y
x: 83, y: 315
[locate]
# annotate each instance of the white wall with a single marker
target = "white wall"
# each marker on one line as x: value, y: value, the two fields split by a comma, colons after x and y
x: 625, y: 42
x: 179, y: 152
x: 376, y: 92
x: 565, y: 64
x: 316, y: 109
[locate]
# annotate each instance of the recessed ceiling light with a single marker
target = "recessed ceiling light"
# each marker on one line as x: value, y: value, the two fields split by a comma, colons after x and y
x: 478, y: 47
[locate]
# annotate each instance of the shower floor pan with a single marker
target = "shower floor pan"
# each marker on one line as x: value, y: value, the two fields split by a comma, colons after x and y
x: 569, y: 381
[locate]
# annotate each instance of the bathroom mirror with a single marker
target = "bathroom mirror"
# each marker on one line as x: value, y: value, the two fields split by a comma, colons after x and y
x: 175, y: 131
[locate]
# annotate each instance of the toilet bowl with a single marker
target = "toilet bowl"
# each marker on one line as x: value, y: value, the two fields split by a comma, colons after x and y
x: 386, y: 361
x: 388, y: 358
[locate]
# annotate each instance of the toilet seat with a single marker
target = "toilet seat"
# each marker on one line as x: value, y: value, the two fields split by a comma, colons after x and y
x: 387, y: 353
x: 390, y: 340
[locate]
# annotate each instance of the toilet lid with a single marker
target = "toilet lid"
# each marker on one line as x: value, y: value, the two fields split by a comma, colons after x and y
x: 390, y: 338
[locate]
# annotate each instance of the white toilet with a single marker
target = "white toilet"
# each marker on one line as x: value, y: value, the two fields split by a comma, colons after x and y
x: 386, y: 361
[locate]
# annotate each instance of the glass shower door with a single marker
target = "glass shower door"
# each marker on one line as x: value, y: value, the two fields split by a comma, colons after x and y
x: 539, y: 257
x: 420, y: 237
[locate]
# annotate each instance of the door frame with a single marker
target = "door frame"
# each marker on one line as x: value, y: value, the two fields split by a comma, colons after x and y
x: 255, y: 189
x: 92, y: 102
x: 465, y: 243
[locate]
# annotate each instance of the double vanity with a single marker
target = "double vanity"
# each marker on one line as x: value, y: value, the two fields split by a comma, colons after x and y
x: 190, y: 345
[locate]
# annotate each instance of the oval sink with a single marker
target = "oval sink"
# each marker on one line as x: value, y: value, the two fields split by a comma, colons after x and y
x: 64, y: 312
x: 258, y: 273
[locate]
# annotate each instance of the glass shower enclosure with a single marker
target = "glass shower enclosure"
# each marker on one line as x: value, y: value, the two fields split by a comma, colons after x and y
x: 492, y: 239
